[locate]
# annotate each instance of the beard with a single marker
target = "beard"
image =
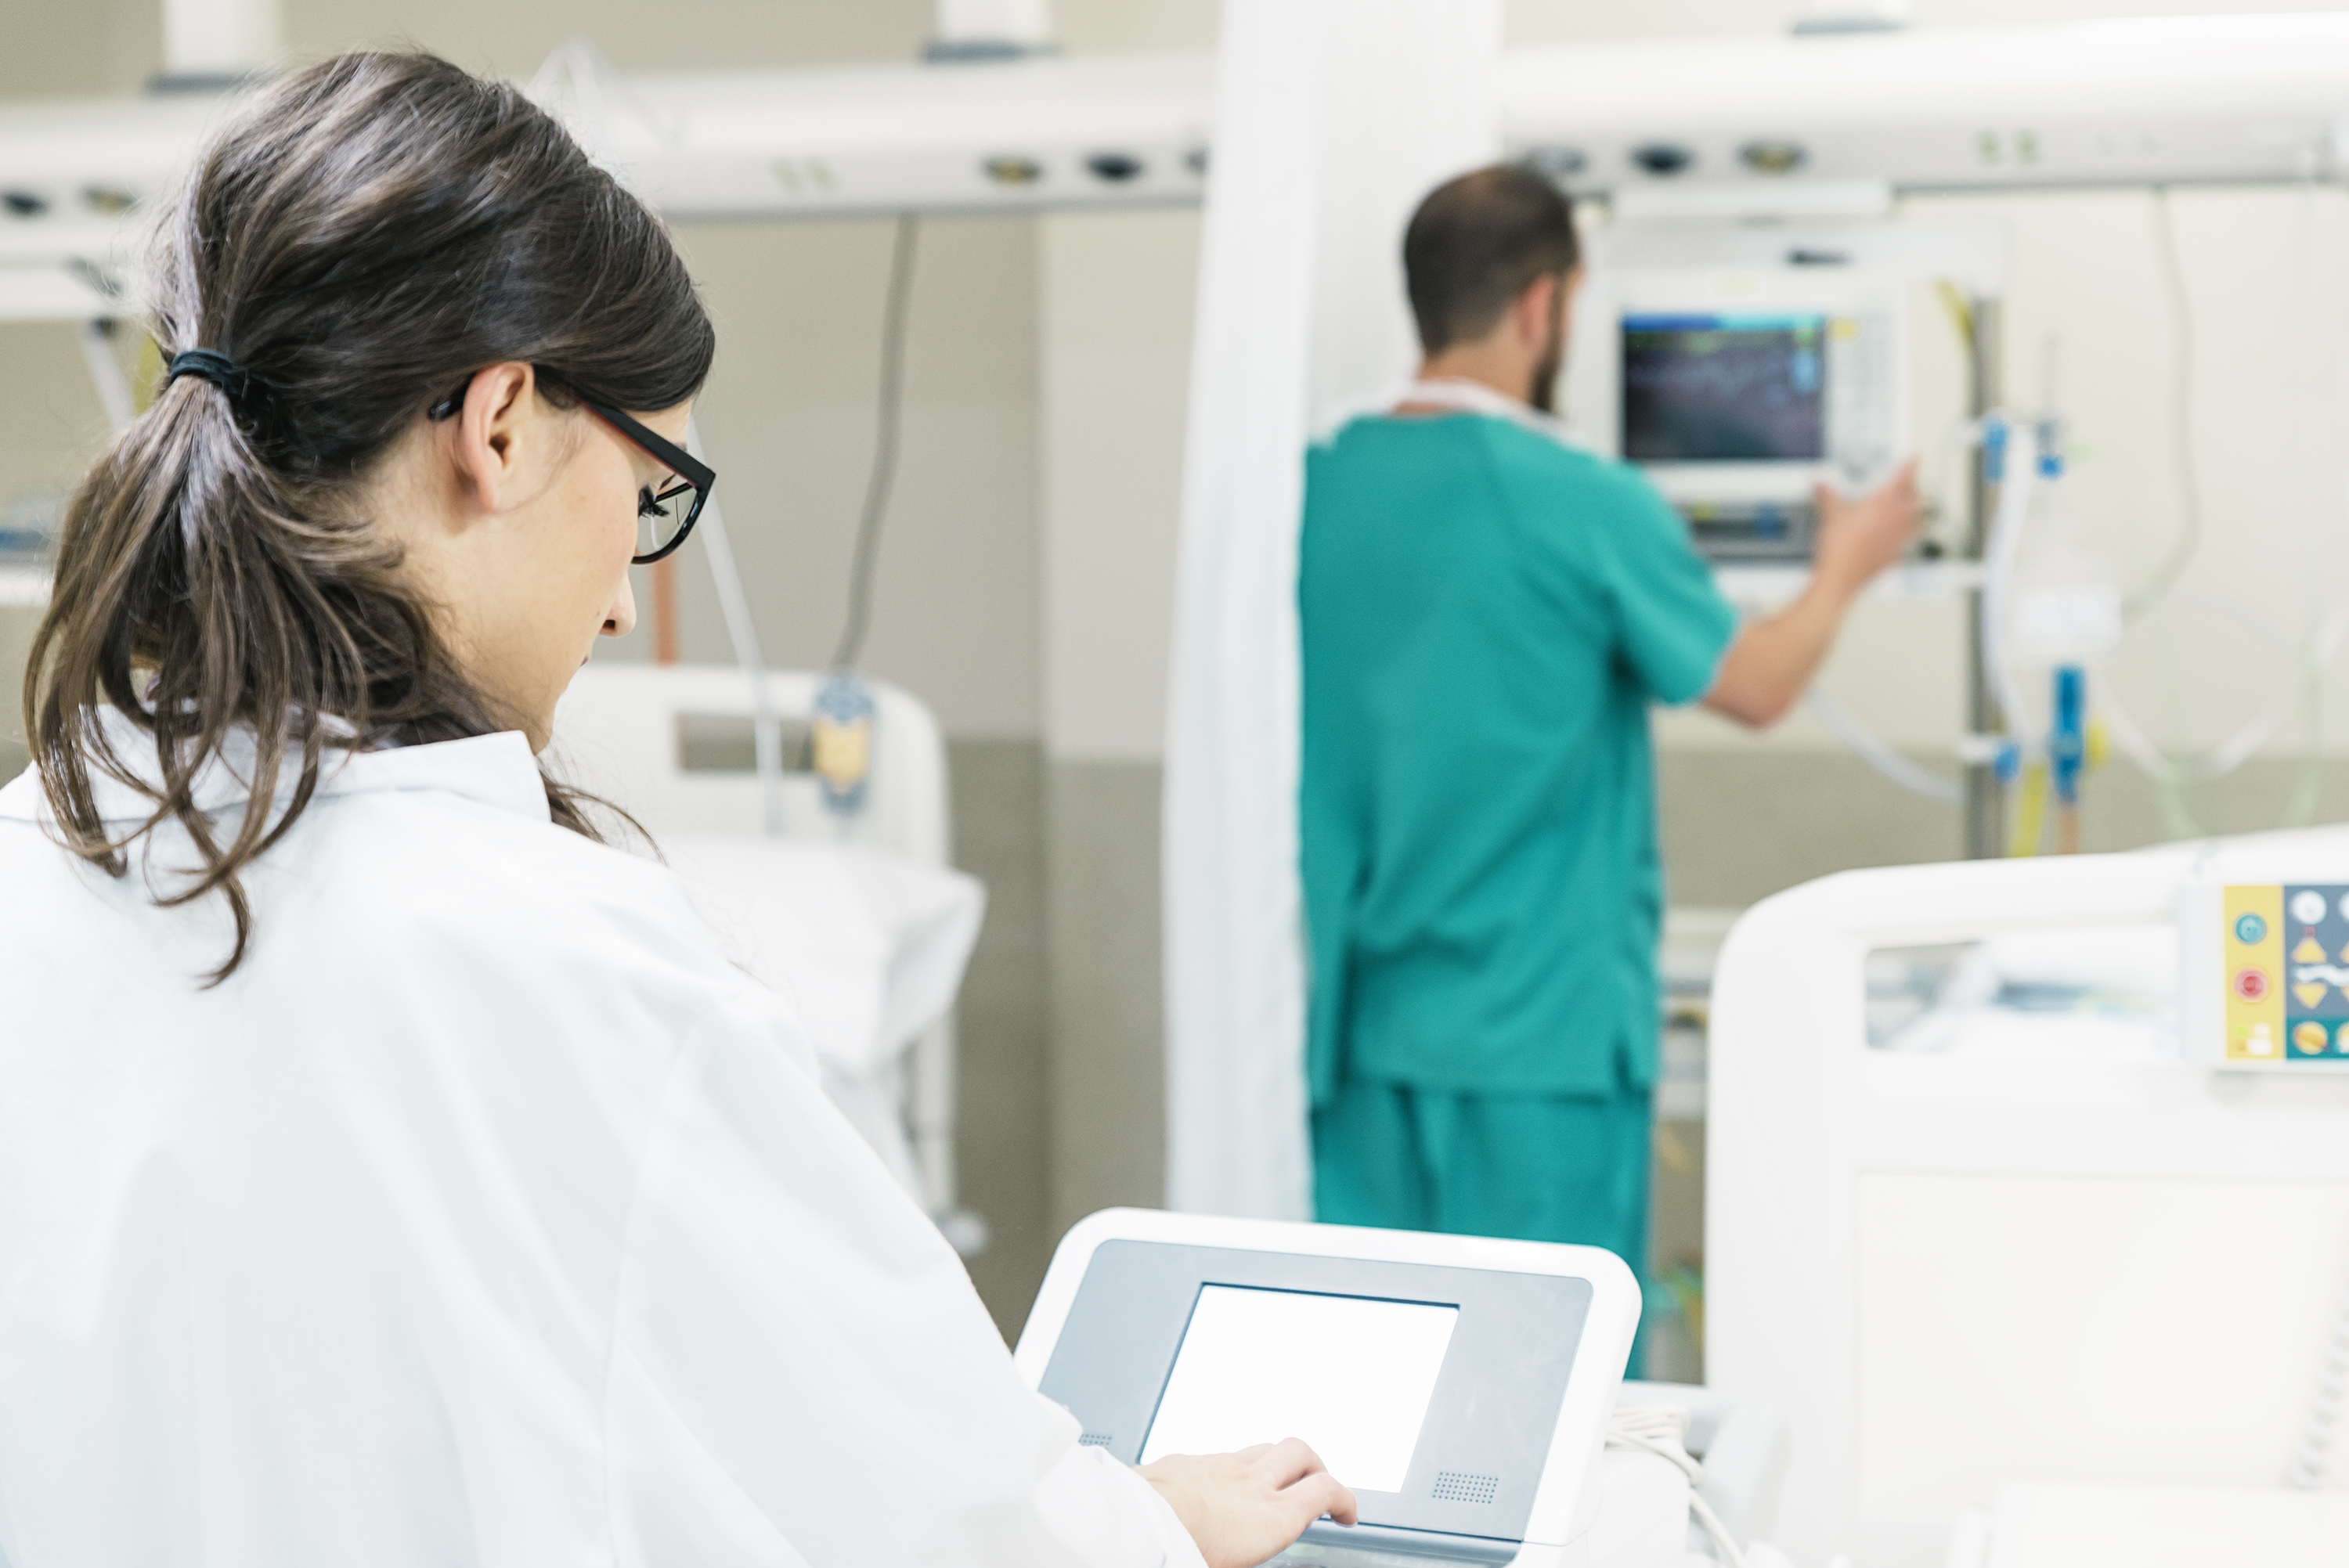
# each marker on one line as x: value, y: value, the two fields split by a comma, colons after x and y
x: 1544, y: 396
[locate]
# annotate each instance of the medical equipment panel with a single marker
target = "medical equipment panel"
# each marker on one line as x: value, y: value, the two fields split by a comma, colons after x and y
x: 1430, y: 1391
x: 1452, y: 1398
x: 2266, y: 972
x: 1739, y: 388
x: 2046, y: 1247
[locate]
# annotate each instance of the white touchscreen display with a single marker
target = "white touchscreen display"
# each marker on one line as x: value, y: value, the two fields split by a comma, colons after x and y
x: 1349, y: 1375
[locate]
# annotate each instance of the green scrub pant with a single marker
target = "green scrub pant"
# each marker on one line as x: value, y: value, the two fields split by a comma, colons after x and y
x: 1537, y: 1168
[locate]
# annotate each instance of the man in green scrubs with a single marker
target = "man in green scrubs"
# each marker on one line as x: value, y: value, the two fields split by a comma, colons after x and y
x: 1487, y: 616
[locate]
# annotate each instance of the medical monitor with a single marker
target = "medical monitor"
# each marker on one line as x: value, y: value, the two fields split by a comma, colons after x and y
x: 1720, y: 388
x: 1738, y: 388
x: 1458, y: 1386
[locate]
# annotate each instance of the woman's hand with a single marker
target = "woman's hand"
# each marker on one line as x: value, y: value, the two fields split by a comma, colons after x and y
x: 1246, y: 1507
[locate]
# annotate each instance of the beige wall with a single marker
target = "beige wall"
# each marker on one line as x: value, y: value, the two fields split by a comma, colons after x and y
x: 1116, y: 293
x: 790, y: 425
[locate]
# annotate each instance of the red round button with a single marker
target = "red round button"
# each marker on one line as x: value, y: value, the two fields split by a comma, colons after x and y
x: 2252, y: 985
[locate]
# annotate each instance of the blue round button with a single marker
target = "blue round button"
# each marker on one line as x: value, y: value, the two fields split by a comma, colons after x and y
x: 2250, y: 929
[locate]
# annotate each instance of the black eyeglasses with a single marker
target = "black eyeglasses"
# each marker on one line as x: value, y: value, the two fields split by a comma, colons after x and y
x: 664, y: 516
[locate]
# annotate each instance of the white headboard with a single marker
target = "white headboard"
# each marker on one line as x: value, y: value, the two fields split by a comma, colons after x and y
x: 619, y: 732
x: 1954, y: 1272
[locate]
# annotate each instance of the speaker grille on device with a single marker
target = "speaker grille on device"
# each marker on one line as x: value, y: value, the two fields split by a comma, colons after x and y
x: 1459, y: 1486
x: 1094, y: 1440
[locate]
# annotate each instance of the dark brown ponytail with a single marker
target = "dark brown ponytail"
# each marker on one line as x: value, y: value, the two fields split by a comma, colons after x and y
x: 365, y: 233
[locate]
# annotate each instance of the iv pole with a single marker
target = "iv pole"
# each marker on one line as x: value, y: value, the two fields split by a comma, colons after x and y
x: 1985, y: 830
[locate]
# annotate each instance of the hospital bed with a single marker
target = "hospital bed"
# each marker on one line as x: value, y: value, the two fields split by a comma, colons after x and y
x: 859, y: 917
x: 2037, y: 1275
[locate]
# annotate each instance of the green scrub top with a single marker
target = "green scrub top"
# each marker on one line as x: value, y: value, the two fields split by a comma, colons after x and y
x: 1486, y: 615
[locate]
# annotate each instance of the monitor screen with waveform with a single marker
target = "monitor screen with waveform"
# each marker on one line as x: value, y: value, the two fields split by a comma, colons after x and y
x: 1723, y: 388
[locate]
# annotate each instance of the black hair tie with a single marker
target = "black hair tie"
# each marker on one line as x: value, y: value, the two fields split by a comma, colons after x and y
x: 207, y: 365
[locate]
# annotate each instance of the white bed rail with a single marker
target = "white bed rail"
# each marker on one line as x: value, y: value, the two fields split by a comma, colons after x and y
x: 1885, y: 1245
x: 620, y: 733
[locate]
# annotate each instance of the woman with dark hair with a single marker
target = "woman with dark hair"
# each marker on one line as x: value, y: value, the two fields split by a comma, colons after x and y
x: 389, y: 1171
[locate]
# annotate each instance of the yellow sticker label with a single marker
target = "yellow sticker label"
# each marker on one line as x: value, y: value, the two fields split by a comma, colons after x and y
x: 2253, y: 973
x: 2309, y: 951
x: 843, y: 752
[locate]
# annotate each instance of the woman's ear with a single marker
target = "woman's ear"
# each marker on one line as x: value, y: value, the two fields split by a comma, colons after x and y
x: 491, y: 439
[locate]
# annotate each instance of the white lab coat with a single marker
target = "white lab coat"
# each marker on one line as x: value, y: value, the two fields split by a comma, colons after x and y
x: 484, y: 1216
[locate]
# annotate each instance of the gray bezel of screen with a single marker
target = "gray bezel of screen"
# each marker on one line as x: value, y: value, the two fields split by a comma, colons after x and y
x: 1497, y: 1398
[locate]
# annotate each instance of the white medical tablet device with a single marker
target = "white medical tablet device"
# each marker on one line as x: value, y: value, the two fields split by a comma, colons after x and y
x: 1461, y: 1386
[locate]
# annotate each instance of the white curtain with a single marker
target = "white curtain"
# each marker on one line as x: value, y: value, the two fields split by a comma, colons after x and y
x: 1333, y: 118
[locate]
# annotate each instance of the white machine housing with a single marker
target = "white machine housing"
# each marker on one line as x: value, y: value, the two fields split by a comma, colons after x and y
x: 1829, y: 350
x: 1758, y: 125
x: 2262, y: 967
x: 1963, y: 1270
x: 1565, y: 1495
x: 1861, y: 281
x: 1724, y: 127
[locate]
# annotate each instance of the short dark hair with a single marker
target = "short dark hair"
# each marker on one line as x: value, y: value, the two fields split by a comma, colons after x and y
x: 1477, y: 244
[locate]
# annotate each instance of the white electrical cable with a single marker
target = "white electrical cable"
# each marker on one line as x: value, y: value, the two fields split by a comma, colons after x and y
x: 2021, y: 475
x: 1871, y: 749
x: 577, y: 70
x: 106, y: 374
x: 2314, y: 658
x: 2128, y: 735
x: 2000, y: 551
x: 1662, y: 1431
x: 884, y: 472
x: 2182, y: 550
x: 2136, y: 744
x: 2324, y: 645
x: 766, y: 727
